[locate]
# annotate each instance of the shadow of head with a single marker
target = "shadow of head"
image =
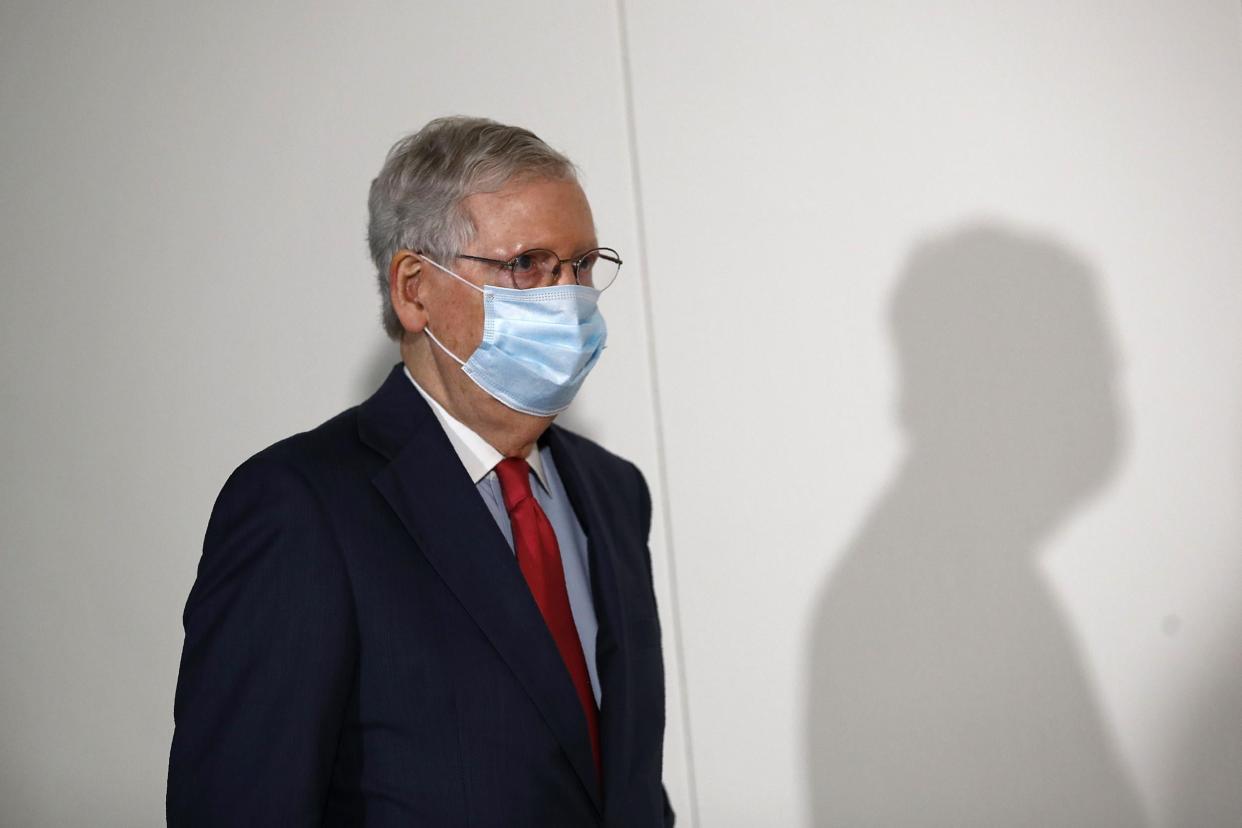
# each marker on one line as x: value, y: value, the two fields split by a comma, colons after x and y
x: 1006, y: 366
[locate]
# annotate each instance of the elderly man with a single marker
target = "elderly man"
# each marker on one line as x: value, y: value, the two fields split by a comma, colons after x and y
x: 436, y: 608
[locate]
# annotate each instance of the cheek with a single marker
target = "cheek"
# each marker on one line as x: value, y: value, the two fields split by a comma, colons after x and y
x: 463, y: 321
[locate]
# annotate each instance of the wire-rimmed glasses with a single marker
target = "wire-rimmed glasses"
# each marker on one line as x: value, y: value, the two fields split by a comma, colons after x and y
x: 597, y: 268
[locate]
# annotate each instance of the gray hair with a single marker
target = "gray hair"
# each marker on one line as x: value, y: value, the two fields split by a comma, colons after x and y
x: 416, y: 200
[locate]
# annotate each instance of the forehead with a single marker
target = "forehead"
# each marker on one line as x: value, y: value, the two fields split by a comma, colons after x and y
x: 540, y: 212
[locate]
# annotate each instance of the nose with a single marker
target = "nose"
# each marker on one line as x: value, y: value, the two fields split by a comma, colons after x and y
x: 565, y: 276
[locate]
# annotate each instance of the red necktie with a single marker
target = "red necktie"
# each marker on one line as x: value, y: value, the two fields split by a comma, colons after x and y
x: 539, y: 558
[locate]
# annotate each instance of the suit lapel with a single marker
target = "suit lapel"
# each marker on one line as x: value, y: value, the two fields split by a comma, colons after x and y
x: 586, y: 495
x: 440, y: 507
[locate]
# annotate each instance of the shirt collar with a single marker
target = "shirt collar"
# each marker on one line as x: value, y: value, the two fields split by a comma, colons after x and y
x: 476, y: 454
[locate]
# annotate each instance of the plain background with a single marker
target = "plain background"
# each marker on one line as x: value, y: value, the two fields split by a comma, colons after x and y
x: 928, y: 340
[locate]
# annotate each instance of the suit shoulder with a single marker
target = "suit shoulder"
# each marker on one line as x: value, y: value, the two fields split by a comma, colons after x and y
x: 295, y: 482
x: 609, y: 468
x: 595, y: 454
x: 330, y: 447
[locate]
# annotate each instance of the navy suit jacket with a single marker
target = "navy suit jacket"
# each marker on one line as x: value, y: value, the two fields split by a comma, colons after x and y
x: 361, y: 647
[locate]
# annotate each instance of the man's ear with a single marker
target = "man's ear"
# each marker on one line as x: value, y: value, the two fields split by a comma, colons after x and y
x: 404, y: 279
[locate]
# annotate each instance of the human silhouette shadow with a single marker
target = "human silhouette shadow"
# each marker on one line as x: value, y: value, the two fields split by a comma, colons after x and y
x: 946, y: 688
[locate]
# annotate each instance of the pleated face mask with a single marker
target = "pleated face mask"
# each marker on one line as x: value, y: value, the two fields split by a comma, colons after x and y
x: 538, y: 344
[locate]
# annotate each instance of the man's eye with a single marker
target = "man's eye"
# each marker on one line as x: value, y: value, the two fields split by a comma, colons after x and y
x: 587, y: 263
x: 523, y: 263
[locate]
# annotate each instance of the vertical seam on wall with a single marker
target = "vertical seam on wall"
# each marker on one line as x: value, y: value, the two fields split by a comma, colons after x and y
x: 1240, y: 23
x: 627, y: 84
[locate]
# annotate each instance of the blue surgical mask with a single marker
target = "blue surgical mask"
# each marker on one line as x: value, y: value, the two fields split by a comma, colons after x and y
x: 538, y: 344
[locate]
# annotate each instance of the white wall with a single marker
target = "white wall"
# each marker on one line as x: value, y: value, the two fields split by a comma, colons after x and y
x: 926, y: 340
x: 946, y: 303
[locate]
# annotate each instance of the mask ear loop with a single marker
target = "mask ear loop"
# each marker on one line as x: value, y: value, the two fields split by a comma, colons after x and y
x: 427, y: 328
x: 465, y: 282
